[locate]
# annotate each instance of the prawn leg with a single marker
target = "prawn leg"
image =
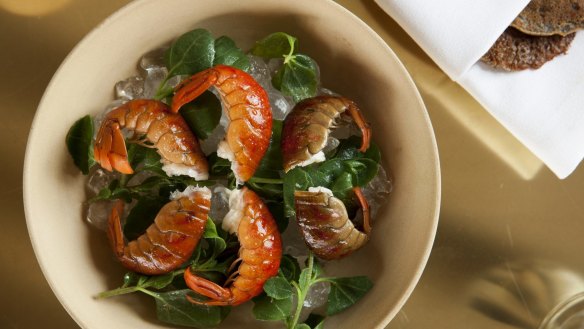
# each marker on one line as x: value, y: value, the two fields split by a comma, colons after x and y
x: 364, y: 208
x: 219, y: 296
x: 115, y: 228
x: 363, y: 125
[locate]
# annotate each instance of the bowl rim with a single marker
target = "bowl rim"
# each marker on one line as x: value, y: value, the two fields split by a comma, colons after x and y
x: 435, y: 183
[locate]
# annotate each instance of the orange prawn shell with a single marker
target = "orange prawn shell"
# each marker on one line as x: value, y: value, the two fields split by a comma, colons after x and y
x: 168, y: 242
x: 246, y: 104
x: 261, y: 244
x: 260, y: 254
x: 168, y: 131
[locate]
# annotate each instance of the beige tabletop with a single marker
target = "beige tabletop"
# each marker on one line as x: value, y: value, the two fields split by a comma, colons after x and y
x: 509, y: 240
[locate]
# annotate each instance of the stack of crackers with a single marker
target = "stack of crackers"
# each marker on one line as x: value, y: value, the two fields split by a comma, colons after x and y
x: 542, y: 31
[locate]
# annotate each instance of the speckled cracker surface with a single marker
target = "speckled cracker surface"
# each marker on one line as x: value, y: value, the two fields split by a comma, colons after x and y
x: 549, y: 17
x: 515, y: 51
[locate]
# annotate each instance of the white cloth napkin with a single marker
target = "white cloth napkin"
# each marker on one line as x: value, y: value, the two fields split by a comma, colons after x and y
x: 543, y: 109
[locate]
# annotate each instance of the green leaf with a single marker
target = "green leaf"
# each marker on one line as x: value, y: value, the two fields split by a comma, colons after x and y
x: 142, y: 216
x: 305, y: 279
x: 275, y: 45
x: 362, y: 170
x: 192, y: 52
x: 295, y: 179
x: 315, y: 321
x: 227, y: 53
x: 272, y: 163
x: 290, y: 268
x: 277, y: 210
x: 218, y: 166
x: 173, y: 307
x: 160, y: 281
x: 269, y: 309
x: 297, y: 78
x: 146, y: 157
x: 349, y: 149
x: 278, y: 288
x: 79, y: 142
x: 346, y: 292
x: 216, y: 244
x: 202, y: 114
x: 302, y: 326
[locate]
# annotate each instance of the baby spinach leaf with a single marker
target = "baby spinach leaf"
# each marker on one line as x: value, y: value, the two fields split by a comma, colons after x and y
x: 362, y: 170
x: 226, y: 52
x: 161, y: 281
x: 349, y: 149
x: 142, y: 215
x: 290, y: 268
x: 270, y: 309
x: 218, y: 166
x: 346, y: 292
x: 277, y: 210
x: 271, y: 163
x: 297, y: 78
x: 146, y: 157
x: 302, y: 326
x: 202, y: 114
x: 295, y: 179
x: 192, y: 52
x: 173, y: 307
x: 278, y: 288
x: 79, y: 142
x: 275, y: 45
x: 216, y: 243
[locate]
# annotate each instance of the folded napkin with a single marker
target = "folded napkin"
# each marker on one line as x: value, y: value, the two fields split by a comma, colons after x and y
x: 543, y: 109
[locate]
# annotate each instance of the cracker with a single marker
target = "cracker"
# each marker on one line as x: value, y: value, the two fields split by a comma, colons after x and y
x: 515, y: 50
x: 549, y: 17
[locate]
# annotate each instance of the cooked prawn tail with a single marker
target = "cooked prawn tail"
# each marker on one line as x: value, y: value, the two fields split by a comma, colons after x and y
x: 192, y: 88
x: 363, y: 125
x: 110, y: 148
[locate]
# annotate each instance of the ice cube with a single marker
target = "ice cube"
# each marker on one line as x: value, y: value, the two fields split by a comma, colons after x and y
x: 317, y: 295
x: 293, y: 242
x: 153, y: 59
x: 259, y: 70
x: 131, y: 88
x: 331, y: 144
x: 98, y: 213
x: 209, y: 145
x: 153, y: 78
x: 219, y: 203
x: 377, y: 191
x: 99, y: 179
x: 281, y: 105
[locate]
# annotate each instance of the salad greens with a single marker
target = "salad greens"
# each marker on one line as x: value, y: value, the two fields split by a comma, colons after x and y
x: 298, y: 75
x: 345, y: 167
x: 291, y: 284
x: 79, y: 143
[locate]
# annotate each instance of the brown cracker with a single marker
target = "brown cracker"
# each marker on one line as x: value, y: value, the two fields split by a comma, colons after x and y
x: 549, y: 17
x: 515, y: 51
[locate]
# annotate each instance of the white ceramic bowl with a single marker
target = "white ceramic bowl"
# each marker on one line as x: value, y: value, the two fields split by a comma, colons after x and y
x: 76, y: 259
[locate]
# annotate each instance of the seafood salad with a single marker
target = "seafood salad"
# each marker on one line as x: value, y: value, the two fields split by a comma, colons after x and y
x: 223, y: 177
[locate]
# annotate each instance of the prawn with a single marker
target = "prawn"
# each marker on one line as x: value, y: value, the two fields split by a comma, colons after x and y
x: 246, y: 104
x: 306, y: 128
x: 170, y: 240
x: 259, y: 254
x: 325, y: 225
x: 151, y: 121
